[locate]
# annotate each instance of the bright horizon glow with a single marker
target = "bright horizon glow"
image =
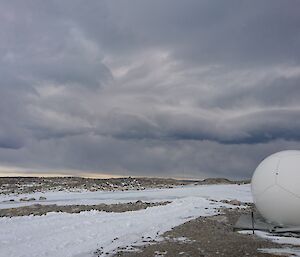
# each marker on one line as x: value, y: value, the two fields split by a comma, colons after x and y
x: 6, y: 171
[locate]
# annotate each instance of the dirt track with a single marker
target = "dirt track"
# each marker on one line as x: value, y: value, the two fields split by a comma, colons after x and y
x: 206, y: 237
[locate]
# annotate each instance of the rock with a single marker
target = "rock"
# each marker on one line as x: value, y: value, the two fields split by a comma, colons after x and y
x: 235, y: 202
x: 210, y: 181
x: 232, y: 202
x: 25, y: 199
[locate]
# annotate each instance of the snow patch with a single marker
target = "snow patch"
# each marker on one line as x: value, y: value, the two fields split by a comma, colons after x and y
x: 63, y: 234
x: 81, y: 235
x: 281, y: 251
x: 274, y: 238
x: 216, y: 192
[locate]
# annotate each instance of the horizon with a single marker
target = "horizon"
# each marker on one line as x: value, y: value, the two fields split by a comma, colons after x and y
x: 94, y: 176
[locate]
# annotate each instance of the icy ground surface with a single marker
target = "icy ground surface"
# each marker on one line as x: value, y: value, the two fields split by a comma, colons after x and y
x: 281, y: 251
x: 217, y: 192
x: 79, y: 235
x: 285, y: 240
x: 60, y: 234
x: 277, y: 239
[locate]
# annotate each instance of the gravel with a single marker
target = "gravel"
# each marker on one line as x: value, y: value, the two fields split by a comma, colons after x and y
x: 38, y: 209
x: 206, y: 237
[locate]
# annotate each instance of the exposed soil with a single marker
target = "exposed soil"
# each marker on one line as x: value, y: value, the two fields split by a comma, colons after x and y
x: 206, y: 237
x: 38, y: 209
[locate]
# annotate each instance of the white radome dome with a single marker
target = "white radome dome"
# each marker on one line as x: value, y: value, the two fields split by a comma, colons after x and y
x: 276, y: 188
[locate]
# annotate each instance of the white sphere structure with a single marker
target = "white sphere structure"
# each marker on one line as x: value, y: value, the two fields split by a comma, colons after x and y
x: 276, y: 188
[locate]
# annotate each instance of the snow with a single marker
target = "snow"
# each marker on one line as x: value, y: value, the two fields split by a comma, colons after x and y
x: 281, y: 251
x: 62, y: 234
x: 275, y: 238
x: 289, y: 240
x: 79, y: 235
x: 217, y: 192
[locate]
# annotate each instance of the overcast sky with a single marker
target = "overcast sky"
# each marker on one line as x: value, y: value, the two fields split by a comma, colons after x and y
x: 148, y: 88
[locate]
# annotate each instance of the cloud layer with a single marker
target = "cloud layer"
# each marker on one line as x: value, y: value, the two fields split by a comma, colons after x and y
x: 172, y: 88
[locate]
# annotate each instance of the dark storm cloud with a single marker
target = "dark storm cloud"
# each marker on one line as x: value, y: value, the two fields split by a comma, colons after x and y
x: 256, y: 127
x: 193, y: 88
x: 234, y: 32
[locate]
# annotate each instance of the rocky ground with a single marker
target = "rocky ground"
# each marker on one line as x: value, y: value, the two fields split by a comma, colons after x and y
x: 21, y: 185
x: 38, y: 209
x: 204, y: 237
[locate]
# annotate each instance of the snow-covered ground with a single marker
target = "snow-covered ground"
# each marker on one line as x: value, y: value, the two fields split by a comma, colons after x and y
x: 80, y: 235
x: 217, y: 192
x: 62, y: 234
